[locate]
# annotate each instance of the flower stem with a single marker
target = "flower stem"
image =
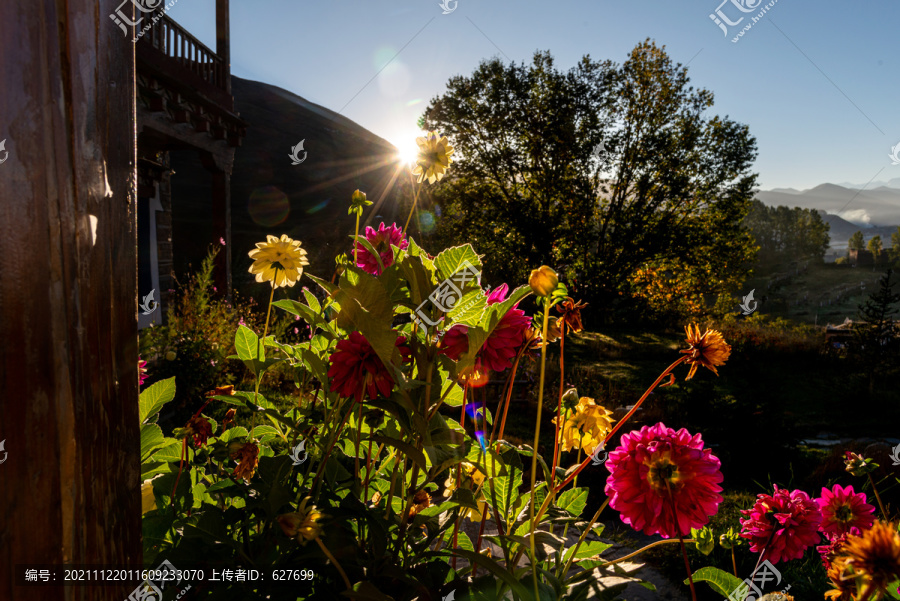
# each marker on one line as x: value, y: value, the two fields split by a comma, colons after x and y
x: 415, y: 202
x: 355, y: 243
x: 321, y: 469
x: 334, y: 561
x: 537, y: 435
x: 581, y: 538
x: 588, y: 459
x: 262, y: 344
x: 562, y: 345
x: 687, y: 564
x: 878, y: 497
x: 733, y: 562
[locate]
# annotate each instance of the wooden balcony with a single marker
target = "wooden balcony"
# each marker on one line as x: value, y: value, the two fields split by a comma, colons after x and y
x: 169, y: 52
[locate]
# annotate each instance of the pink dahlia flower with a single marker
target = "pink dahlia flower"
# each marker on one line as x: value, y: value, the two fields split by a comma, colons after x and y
x: 142, y: 371
x: 663, y: 482
x: 499, y: 350
x: 381, y: 240
x: 844, y: 512
x: 783, y: 524
x: 357, y: 370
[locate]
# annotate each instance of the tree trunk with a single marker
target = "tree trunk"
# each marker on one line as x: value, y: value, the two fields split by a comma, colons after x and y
x: 70, y: 477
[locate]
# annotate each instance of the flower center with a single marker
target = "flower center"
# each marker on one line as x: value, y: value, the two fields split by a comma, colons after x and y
x: 663, y: 471
x: 843, y: 513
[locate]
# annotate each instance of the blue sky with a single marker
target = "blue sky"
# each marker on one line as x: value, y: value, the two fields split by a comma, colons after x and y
x: 817, y: 82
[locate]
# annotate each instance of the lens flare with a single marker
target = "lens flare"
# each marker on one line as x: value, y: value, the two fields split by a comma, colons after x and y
x: 318, y: 207
x: 427, y: 221
x: 268, y: 206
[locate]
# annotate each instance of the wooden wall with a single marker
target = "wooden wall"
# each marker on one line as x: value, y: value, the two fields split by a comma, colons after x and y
x: 69, y: 488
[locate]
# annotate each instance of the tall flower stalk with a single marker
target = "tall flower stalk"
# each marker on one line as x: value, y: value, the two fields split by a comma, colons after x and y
x: 542, y: 281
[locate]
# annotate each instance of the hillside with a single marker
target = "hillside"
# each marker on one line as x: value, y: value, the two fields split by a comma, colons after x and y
x: 878, y: 206
x: 270, y: 195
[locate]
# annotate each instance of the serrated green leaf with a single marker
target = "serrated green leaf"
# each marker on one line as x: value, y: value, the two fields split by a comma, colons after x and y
x: 152, y: 440
x: 452, y: 260
x: 170, y: 452
x: 246, y: 343
x: 721, y: 581
x: 573, y: 500
x: 152, y: 399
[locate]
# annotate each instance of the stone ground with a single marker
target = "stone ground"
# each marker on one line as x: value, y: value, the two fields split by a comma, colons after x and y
x: 666, y: 590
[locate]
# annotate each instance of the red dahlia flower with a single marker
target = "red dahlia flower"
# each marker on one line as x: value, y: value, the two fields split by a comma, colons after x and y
x: 357, y: 370
x: 783, y: 524
x: 381, y: 240
x: 832, y: 550
x: 499, y: 350
x: 663, y: 481
x: 844, y: 512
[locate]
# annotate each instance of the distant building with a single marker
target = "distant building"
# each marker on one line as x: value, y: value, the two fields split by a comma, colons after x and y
x: 184, y: 103
x: 865, y: 258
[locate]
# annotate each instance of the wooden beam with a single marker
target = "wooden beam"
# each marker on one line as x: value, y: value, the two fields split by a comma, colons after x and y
x: 68, y: 296
x: 223, y: 40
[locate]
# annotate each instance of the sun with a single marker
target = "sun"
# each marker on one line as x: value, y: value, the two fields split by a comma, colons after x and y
x: 407, y: 149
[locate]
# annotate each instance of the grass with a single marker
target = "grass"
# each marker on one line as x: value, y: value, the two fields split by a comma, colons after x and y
x: 820, y: 283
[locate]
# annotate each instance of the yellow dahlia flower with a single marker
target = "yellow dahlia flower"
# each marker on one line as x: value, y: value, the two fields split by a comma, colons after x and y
x: 708, y: 350
x: 586, y: 426
x: 278, y: 260
x: 302, y: 524
x: 433, y: 157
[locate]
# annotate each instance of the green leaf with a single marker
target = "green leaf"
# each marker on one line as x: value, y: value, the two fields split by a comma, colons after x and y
x: 170, y: 452
x: 232, y: 433
x: 246, y: 343
x: 573, y: 500
x: 366, y: 308
x: 721, y: 581
x: 409, y: 450
x: 498, y: 571
x: 452, y: 260
x: 489, y: 320
x: 153, y: 398
x: 587, y: 549
x: 152, y: 439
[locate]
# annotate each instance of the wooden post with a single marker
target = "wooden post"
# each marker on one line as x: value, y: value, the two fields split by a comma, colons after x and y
x: 223, y: 43
x: 70, y: 482
x: 219, y: 166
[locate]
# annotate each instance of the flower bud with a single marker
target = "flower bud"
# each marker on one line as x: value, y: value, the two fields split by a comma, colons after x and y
x: 543, y: 281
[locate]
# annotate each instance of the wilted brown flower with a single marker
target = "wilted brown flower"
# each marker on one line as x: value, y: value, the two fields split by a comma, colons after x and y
x: 247, y: 456
x: 571, y: 315
x: 200, y: 428
x: 222, y: 391
x: 229, y: 418
x: 421, y: 500
x: 708, y: 350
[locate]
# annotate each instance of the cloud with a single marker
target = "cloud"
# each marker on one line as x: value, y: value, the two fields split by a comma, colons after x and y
x: 857, y: 217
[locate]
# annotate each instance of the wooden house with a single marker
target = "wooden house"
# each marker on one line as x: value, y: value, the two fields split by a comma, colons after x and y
x: 184, y: 103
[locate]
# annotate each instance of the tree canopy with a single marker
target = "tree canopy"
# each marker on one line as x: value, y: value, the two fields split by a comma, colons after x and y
x: 784, y: 234
x: 604, y: 171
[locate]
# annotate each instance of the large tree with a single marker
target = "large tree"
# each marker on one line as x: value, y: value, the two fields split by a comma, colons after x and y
x: 600, y: 171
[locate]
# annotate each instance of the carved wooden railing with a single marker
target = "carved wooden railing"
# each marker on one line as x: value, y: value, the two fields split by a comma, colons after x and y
x: 175, y: 42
